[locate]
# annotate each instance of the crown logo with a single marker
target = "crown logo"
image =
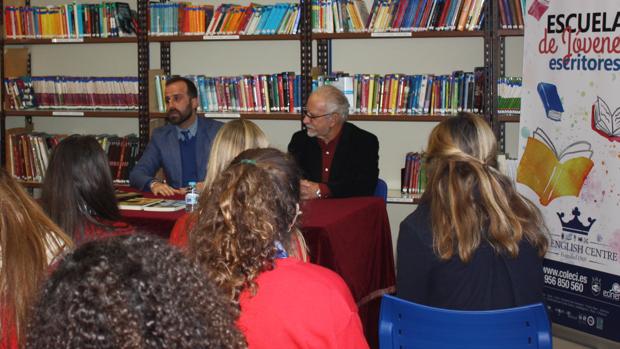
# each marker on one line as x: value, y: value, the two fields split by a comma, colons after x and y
x: 574, y: 226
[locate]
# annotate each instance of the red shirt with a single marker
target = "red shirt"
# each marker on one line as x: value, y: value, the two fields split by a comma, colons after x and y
x: 106, y: 230
x: 300, y: 305
x: 327, y: 157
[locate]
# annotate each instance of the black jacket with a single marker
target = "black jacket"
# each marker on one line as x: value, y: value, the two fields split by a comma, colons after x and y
x: 488, y: 281
x: 355, y: 167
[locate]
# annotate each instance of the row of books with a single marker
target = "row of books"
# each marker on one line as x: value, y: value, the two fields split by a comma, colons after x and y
x: 509, y: 95
x: 412, y: 94
x: 29, y: 154
x: 421, y: 15
x: 414, y: 174
x: 339, y: 16
x: 281, y: 18
x: 70, y: 21
x: 248, y: 93
x: 169, y: 18
x: 74, y: 21
x: 511, y: 13
x: 228, y: 19
x: 66, y: 92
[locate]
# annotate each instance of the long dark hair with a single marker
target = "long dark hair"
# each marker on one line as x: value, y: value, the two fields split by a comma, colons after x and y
x: 250, y: 205
x: 78, y: 189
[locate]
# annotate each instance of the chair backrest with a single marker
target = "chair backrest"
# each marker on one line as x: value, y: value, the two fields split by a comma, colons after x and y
x: 408, y: 325
x: 381, y: 190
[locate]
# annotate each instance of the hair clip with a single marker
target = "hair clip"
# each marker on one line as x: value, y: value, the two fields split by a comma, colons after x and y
x: 248, y: 161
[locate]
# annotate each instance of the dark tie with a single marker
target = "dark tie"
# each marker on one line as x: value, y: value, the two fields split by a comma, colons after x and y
x: 185, y: 135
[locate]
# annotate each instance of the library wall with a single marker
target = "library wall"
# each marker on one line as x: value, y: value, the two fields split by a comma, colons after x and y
x: 381, y: 56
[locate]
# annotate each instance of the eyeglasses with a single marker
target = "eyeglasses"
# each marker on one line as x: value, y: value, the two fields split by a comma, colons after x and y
x: 312, y: 117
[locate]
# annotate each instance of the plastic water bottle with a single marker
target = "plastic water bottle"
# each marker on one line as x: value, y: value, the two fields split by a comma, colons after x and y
x: 191, y: 198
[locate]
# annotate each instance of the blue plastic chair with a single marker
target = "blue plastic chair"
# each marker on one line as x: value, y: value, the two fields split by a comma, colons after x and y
x: 404, y: 324
x: 381, y: 190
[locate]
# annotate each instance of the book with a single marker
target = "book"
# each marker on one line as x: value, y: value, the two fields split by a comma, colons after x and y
x: 552, y: 174
x: 604, y: 121
x: 166, y: 206
x: 138, y: 203
x: 538, y: 8
x: 551, y: 100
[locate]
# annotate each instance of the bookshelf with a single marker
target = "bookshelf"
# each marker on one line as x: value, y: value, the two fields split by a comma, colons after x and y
x: 314, y: 49
x: 498, y: 70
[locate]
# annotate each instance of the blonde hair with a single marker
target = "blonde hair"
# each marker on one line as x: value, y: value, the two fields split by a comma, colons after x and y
x: 470, y: 199
x: 28, y: 240
x: 233, y: 138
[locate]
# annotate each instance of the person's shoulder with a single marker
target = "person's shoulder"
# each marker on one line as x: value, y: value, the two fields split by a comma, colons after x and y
x: 209, y: 123
x: 418, y: 222
x: 360, y: 133
x: 162, y: 130
x: 300, y: 136
x: 308, y: 275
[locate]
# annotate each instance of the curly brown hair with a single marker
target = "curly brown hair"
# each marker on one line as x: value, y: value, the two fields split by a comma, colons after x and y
x: 251, y: 205
x: 131, y: 292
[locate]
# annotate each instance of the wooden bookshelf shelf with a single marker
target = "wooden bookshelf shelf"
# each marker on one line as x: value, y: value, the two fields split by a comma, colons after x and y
x: 75, y: 113
x: 61, y: 41
x: 390, y: 117
x: 510, y: 32
x: 400, y: 35
x: 289, y: 116
x: 182, y: 38
x: 508, y: 118
x: 396, y: 197
x: 244, y: 115
x: 29, y: 184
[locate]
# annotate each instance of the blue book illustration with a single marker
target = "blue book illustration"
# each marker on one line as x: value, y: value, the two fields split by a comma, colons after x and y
x: 551, y: 100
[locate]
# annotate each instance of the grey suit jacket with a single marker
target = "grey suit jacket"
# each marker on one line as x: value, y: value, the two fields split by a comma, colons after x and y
x: 163, y: 152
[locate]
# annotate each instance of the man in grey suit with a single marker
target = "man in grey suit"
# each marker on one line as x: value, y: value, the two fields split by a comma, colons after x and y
x: 181, y: 148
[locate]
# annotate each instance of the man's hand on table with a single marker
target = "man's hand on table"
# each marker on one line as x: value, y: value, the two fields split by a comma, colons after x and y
x: 163, y: 189
x: 309, y: 190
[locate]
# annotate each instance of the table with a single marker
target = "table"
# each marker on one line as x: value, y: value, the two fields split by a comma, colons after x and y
x: 352, y: 237
x: 349, y: 236
x: 154, y: 223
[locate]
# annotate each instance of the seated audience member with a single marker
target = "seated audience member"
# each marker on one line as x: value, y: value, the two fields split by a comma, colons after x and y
x: 78, y: 193
x: 29, y: 242
x: 131, y: 292
x: 181, y: 148
x: 337, y: 158
x: 233, y: 138
x: 473, y: 243
x: 242, y: 239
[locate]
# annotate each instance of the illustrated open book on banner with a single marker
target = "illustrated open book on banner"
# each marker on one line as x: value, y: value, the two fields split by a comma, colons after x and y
x: 604, y: 121
x: 550, y: 173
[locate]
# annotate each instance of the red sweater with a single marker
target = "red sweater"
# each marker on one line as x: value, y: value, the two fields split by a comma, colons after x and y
x: 300, y: 305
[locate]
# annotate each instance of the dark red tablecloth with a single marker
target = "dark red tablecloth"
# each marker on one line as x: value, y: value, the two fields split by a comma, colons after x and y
x: 155, y: 223
x: 349, y: 236
x: 352, y: 237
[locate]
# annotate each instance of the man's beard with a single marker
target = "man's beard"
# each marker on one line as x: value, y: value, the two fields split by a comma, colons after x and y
x: 179, y: 117
x: 311, y: 132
